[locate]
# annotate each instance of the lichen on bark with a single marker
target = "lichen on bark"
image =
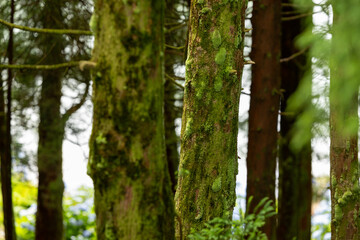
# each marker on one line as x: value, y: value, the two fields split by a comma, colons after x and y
x: 210, y: 114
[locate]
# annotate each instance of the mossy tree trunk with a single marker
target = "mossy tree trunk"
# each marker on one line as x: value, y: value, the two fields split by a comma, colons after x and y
x: 295, y: 185
x: 264, y: 106
x: 133, y: 197
x: 208, y: 157
x: 49, y: 216
x: 5, y: 140
x: 344, y: 124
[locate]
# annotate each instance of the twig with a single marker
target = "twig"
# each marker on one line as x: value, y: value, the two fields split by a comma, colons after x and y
x: 294, y: 55
x: 173, y: 81
x: 173, y: 47
x: 47, y: 30
x: 39, y: 67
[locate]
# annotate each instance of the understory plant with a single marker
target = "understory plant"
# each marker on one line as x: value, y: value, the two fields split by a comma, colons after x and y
x: 248, y: 226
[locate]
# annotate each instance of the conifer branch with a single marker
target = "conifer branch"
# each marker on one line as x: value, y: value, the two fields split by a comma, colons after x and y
x: 46, y: 30
x: 294, y: 55
x: 40, y: 67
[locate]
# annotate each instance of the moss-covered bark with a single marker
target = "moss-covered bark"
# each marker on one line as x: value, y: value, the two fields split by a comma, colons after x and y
x: 344, y: 123
x: 264, y: 106
x: 49, y: 216
x: 208, y: 158
x: 133, y: 198
x: 295, y: 186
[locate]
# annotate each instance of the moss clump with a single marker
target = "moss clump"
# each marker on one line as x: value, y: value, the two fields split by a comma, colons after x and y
x: 93, y: 23
x: 100, y: 139
x: 338, y: 213
x: 216, y: 39
x: 220, y: 56
x: 205, y: 10
x: 188, y: 129
x: 218, y: 83
x: 216, y: 186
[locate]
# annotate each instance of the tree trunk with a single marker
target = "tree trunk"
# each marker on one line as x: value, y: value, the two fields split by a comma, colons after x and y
x: 208, y: 158
x: 171, y: 111
x: 133, y: 197
x: 264, y: 106
x: 344, y: 122
x: 49, y: 216
x: 5, y: 142
x: 295, y: 186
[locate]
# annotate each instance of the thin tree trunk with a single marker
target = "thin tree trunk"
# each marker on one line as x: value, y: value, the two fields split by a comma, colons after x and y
x: 264, y: 106
x: 5, y: 147
x: 133, y: 197
x: 344, y: 124
x: 171, y: 90
x: 295, y: 186
x: 49, y: 216
x: 208, y: 158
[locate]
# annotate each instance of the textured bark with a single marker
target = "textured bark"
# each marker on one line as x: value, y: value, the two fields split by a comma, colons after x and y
x: 49, y: 216
x: 264, y: 106
x: 208, y: 158
x: 5, y: 142
x: 344, y: 86
x: 133, y: 197
x: 295, y: 186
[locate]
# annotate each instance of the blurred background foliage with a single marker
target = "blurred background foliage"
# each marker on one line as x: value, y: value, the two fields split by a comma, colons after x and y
x: 79, y: 215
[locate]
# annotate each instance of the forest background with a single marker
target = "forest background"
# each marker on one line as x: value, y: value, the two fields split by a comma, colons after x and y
x: 26, y: 95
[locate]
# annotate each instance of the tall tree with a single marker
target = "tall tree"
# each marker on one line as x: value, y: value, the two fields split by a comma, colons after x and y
x: 175, y: 37
x: 208, y: 157
x: 5, y: 142
x: 133, y: 197
x: 295, y: 185
x: 264, y: 105
x: 49, y: 216
x: 344, y: 122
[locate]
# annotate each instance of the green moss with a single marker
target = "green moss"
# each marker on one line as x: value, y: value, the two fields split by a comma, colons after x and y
x: 188, y: 129
x: 100, y: 139
x: 93, y: 23
x: 238, y: 40
x: 216, y: 186
x: 220, y: 56
x: 333, y: 181
x: 216, y: 39
x: 200, y: 213
x: 136, y: 149
x: 205, y: 10
x: 338, y: 213
x: 218, y: 83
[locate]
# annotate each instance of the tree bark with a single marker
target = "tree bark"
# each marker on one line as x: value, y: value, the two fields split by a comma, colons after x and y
x: 208, y: 158
x: 133, y: 197
x: 264, y: 106
x: 5, y: 142
x: 295, y: 185
x: 49, y: 216
x: 344, y: 122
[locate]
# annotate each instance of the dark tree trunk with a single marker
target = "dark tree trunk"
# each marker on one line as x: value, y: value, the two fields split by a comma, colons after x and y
x: 295, y: 186
x: 208, y: 158
x: 264, y: 106
x: 5, y: 142
x: 133, y: 197
x: 49, y: 216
